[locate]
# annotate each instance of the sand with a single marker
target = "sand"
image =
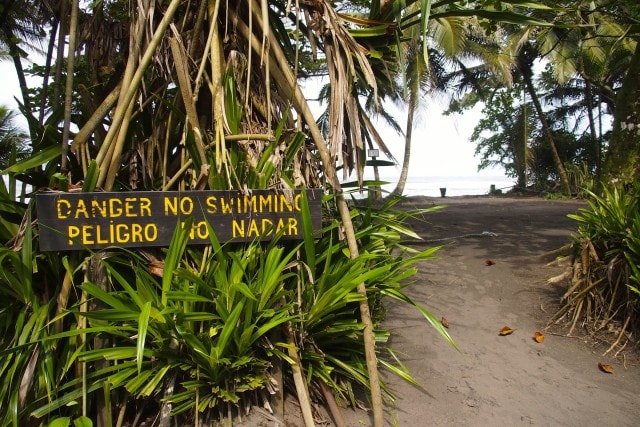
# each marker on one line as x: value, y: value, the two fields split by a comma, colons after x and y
x: 493, y: 380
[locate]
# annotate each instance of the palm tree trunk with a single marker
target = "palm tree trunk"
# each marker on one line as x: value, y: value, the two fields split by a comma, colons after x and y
x: 562, y: 172
x: 404, y: 173
x: 62, y: 26
x: 68, y: 93
x: 14, y: 52
x: 47, y: 71
x: 592, y: 126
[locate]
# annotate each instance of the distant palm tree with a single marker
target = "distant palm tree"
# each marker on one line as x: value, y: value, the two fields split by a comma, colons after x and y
x: 20, y: 29
x: 456, y: 41
x: 13, y: 141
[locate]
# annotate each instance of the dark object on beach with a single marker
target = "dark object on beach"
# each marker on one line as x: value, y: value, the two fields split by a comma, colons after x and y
x: 443, y: 192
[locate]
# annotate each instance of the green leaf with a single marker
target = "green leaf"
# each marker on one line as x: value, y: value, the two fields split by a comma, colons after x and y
x: 425, y: 9
x: 152, y: 384
x: 37, y: 159
x: 60, y: 422
x: 83, y: 422
x: 176, y: 249
x: 91, y: 177
x: 143, y: 326
x: 228, y: 329
x: 307, y: 233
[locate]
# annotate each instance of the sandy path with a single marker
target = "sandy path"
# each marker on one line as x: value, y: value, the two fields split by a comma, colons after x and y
x: 494, y: 380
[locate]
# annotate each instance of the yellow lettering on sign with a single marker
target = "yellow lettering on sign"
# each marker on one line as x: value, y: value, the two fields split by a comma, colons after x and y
x: 237, y: 228
x: 73, y: 232
x: 250, y: 204
x: 170, y: 206
x: 115, y: 207
x: 296, y: 201
x: 211, y: 204
x: 121, y: 233
x: 63, y: 208
x: 253, y: 229
x: 145, y: 206
x: 226, y: 206
x: 173, y: 205
x: 285, y: 204
x: 109, y: 208
x: 99, y: 208
x: 198, y: 230
x: 292, y: 227
x: 81, y: 209
x: 265, y: 203
x: 90, y: 234
x: 129, y: 205
x: 263, y: 227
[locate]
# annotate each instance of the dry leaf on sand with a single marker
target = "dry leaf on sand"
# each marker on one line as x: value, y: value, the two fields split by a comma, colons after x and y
x: 490, y: 262
x: 506, y: 331
x: 444, y: 322
x: 605, y: 368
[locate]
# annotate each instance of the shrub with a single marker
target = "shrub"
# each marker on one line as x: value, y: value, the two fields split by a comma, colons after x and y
x: 606, y: 277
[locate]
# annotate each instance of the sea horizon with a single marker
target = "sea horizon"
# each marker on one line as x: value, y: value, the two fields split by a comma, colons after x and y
x: 454, y: 185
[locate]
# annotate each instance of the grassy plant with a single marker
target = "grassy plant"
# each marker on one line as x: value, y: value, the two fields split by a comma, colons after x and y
x: 334, y: 352
x: 582, y: 179
x: 192, y: 332
x: 603, y: 290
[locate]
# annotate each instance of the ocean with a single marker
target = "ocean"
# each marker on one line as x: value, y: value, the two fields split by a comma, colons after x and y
x: 430, y: 186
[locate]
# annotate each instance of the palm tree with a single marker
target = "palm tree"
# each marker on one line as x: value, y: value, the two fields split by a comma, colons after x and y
x: 524, y: 66
x: 456, y: 42
x: 13, y: 145
x: 21, y: 30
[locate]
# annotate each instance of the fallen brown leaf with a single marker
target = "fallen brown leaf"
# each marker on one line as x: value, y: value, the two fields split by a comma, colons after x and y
x: 605, y: 368
x: 444, y: 322
x: 490, y: 262
x: 538, y: 337
x: 506, y: 331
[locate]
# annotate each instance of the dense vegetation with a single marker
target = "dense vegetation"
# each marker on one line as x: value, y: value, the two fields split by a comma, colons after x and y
x: 175, y: 95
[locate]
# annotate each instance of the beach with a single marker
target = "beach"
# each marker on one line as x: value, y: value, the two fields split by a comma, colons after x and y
x: 491, y: 272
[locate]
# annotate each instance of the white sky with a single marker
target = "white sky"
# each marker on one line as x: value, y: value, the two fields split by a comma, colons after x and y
x: 440, y: 145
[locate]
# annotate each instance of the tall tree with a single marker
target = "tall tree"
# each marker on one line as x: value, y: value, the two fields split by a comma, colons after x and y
x: 524, y: 65
x: 13, y: 141
x: 623, y: 157
x: 21, y: 23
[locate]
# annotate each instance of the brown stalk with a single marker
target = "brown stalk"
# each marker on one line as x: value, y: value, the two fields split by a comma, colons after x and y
x: 73, y: 32
x: 217, y: 61
x: 106, y: 149
x: 576, y: 316
x: 620, y: 335
x: 333, y: 406
x: 128, y: 95
x: 97, y: 115
x: 302, y: 106
x: 298, y: 378
x: 180, y: 61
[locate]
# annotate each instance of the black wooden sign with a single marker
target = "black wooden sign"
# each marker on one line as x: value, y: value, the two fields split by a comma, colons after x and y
x: 68, y: 221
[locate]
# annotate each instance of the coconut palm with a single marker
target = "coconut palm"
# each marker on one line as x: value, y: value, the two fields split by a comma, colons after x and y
x: 21, y: 23
x: 13, y: 145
